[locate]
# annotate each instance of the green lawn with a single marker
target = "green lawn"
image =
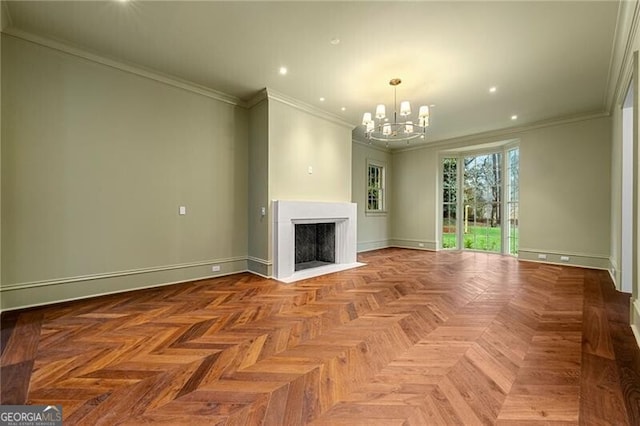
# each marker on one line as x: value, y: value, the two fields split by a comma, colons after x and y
x: 477, y: 238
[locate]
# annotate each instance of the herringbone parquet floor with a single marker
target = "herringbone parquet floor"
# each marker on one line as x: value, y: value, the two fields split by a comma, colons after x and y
x: 413, y: 338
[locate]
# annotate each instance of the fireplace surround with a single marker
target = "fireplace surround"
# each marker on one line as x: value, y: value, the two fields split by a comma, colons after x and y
x: 286, y: 214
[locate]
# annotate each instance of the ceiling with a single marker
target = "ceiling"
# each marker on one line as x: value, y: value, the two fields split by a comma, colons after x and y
x: 547, y: 60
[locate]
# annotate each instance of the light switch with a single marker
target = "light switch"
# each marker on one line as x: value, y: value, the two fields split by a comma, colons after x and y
x: 183, y: 210
x: 310, y: 170
x: 263, y: 211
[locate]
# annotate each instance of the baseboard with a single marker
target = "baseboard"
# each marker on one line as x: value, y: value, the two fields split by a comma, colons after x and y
x: 260, y: 267
x: 582, y: 260
x: 27, y: 295
x: 413, y: 244
x: 635, y: 319
x: 613, y: 273
x: 372, y: 245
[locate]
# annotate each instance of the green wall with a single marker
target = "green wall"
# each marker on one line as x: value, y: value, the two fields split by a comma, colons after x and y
x: 373, y: 228
x: 259, y: 225
x: 96, y: 162
x: 564, y: 185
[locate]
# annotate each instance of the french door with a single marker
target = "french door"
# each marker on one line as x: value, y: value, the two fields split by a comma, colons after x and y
x: 473, y: 211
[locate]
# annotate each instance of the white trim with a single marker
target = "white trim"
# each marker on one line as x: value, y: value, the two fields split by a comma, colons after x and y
x: 635, y: 319
x: 409, y: 243
x: 588, y: 262
x: 501, y: 147
x: 371, y: 146
x: 569, y: 264
x: 90, y: 296
x: 382, y: 165
x: 260, y: 260
x: 130, y: 68
x: 364, y: 246
x: 92, y: 277
x: 617, y: 85
x: 636, y: 334
x: 261, y: 267
x: 259, y: 97
x: 258, y: 274
x: 321, y: 270
x: 305, y: 107
x: 564, y: 253
x: 505, y: 133
x: 635, y: 315
x: 613, y: 269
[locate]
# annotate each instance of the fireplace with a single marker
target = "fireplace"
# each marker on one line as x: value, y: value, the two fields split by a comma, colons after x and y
x: 329, y: 219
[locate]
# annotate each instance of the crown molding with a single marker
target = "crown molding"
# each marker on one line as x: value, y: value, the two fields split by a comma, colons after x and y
x: 506, y: 133
x: 371, y: 146
x: 620, y: 67
x: 310, y: 109
x: 125, y: 67
x: 259, y: 97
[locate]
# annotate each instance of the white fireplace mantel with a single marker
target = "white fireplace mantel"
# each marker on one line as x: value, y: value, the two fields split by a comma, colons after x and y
x: 286, y: 214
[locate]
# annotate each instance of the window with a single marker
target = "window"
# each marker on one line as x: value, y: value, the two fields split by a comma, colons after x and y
x: 513, y: 198
x: 375, y: 187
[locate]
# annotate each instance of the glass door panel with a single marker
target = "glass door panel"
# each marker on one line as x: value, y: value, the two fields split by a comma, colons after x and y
x: 450, y: 203
x: 482, y: 178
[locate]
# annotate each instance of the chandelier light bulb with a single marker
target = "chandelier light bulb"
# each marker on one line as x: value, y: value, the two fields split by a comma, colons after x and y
x: 405, y: 108
x: 380, y: 112
x: 370, y: 126
x: 408, y: 128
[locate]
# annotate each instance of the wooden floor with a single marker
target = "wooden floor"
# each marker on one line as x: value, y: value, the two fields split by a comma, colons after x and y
x: 413, y: 338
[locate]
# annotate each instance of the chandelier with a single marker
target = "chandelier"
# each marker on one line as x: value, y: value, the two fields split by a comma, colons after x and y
x: 382, y: 129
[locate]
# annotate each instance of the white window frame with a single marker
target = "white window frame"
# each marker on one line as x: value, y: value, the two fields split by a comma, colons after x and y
x: 460, y: 154
x: 383, y: 187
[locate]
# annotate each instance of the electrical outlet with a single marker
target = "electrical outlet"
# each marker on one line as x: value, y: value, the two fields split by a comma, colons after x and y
x: 542, y: 256
x: 564, y: 258
x: 215, y: 268
x: 182, y: 210
x: 420, y: 244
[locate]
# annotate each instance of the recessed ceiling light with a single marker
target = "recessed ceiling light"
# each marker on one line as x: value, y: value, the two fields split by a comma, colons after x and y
x: 321, y: 99
x: 283, y: 71
x: 343, y: 108
x: 493, y: 89
x: 335, y: 41
x: 514, y: 117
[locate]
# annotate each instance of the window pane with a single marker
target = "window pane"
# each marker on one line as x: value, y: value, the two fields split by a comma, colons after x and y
x: 375, y: 187
x: 449, y: 226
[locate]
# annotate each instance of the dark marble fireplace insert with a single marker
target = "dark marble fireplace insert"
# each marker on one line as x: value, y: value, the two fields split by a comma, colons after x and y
x: 315, y: 245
